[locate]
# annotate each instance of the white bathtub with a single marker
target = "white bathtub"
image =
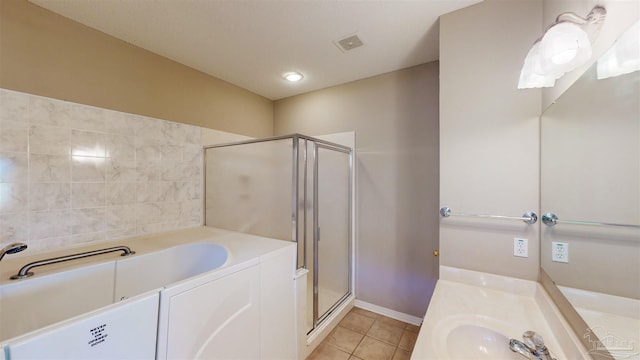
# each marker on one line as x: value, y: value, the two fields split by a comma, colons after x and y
x: 168, y: 266
x: 46, y: 298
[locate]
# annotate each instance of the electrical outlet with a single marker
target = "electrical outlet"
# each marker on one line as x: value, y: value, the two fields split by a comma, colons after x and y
x: 560, y: 252
x: 520, y: 247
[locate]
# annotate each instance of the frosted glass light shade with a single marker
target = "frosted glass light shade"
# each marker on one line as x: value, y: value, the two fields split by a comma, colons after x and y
x: 564, y: 47
x: 623, y: 57
x: 531, y: 75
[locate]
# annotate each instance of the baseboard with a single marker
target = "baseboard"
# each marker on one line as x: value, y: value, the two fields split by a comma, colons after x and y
x: 413, y: 320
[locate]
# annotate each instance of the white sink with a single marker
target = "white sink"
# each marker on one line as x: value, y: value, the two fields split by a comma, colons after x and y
x: 477, y: 342
x: 473, y: 315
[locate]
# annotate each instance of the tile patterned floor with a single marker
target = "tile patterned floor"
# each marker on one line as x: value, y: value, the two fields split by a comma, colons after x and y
x: 364, y: 335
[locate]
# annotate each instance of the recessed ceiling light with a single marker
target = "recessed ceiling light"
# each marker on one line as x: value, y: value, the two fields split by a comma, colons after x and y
x: 293, y: 76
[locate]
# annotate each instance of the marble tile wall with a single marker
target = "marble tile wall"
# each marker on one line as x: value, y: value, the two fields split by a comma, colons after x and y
x: 72, y: 174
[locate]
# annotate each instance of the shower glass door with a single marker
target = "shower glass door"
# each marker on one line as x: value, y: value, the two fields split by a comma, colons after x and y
x: 332, y: 219
x: 294, y: 188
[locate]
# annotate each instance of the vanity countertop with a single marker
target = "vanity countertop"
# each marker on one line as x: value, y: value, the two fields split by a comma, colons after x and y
x: 497, y: 308
x: 615, y: 320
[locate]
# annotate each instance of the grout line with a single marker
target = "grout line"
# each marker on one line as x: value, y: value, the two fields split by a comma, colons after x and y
x: 355, y: 348
x: 352, y: 353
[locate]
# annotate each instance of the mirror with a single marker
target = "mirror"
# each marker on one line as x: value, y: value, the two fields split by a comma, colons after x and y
x: 590, y: 174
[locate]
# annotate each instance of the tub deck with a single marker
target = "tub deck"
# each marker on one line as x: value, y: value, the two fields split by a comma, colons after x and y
x: 75, y: 287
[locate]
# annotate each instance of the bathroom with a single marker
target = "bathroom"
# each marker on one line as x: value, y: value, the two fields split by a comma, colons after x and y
x: 417, y: 149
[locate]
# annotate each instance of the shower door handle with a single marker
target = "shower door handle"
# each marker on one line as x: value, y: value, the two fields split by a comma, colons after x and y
x: 318, y: 233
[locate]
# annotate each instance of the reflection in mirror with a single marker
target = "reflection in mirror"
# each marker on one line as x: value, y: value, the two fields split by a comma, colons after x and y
x: 590, y: 172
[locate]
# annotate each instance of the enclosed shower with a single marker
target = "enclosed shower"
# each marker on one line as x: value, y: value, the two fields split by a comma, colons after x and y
x: 296, y: 188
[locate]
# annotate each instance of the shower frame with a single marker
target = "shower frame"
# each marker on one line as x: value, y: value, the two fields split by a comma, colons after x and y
x: 295, y: 213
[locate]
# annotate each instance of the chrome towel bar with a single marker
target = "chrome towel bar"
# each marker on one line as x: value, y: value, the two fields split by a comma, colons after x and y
x: 550, y: 219
x: 528, y: 217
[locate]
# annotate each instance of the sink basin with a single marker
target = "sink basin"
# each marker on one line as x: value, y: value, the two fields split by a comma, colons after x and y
x: 478, y: 342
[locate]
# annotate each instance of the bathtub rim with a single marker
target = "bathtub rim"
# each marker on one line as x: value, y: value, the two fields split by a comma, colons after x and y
x: 243, y: 251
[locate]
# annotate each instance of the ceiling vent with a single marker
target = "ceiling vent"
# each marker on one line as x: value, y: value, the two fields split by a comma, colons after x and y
x: 349, y: 43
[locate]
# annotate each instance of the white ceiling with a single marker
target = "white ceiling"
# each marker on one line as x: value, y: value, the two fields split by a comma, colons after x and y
x: 251, y: 43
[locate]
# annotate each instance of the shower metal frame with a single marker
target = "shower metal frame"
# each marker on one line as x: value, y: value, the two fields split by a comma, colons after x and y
x: 295, y: 216
x: 317, y: 318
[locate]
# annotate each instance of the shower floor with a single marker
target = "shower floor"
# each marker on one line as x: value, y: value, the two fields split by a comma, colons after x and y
x: 326, y: 299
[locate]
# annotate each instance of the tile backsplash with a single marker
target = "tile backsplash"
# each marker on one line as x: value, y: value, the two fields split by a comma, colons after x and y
x: 72, y: 174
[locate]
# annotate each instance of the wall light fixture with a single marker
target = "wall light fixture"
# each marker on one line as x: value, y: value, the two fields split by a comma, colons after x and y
x: 623, y: 57
x: 565, y: 46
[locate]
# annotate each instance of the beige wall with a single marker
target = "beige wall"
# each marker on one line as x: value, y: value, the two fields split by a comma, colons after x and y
x: 489, y: 133
x: 395, y: 118
x: 45, y: 54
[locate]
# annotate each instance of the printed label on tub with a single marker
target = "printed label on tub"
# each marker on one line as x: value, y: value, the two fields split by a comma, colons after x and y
x: 126, y: 330
x: 98, y: 335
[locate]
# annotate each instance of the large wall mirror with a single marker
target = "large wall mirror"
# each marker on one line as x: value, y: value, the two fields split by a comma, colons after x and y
x: 590, y: 181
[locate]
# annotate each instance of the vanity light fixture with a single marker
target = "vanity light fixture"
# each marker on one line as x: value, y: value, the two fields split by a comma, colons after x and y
x: 293, y: 76
x: 623, y: 57
x: 565, y: 46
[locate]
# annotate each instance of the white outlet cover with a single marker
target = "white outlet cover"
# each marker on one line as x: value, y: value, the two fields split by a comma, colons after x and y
x: 560, y: 252
x: 520, y: 247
